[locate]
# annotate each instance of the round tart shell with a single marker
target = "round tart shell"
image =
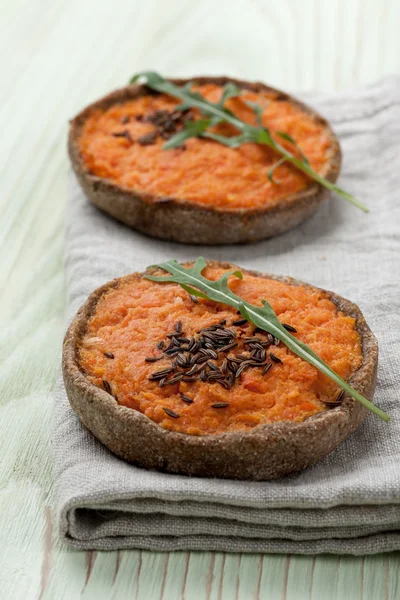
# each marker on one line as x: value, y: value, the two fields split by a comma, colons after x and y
x: 266, y: 452
x: 187, y: 222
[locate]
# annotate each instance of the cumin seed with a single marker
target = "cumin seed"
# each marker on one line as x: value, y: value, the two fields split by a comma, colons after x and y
x: 171, y: 413
x: 289, y: 328
x: 235, y: 360
x: 336, y: 402
x: 213, y: 376
x: 175, y: 378
x: 339, y: 397
x: 212, y: 366
x: 233, y: 367
x: 186, y: 399
x: 194, y: 370
x: 257, y: 346
x: 229, y: 347
x: 123, y: 134
x: 265, y: 344
x: 159, y: 374
x: 275, y: 358
x: 240, y: 322
x: 172, y: 351
x: 220, y: 405
x: 148, y: 139
x: 245, y: 365
x: 107, y: 387
x: 230, y: 379
x: 224, y: 383
x: 153, y: 359
x: 109, y: 354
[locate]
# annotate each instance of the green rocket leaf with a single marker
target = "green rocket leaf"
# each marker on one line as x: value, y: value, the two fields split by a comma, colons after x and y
x: 218, y: 113
x: 191, y: 279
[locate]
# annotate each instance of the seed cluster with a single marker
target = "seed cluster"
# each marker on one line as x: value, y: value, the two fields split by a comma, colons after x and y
x: 207, y: 356
x: 166, y: 125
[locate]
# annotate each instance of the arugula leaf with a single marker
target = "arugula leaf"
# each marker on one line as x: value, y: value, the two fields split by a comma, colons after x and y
x: 219, y: 113
x: 233, y: 141
x: 258, y: 111
x: 192, y: 280
x: 288, y: 138
x: 270, y: 173
x: 230, y: 90
x: 191, y: 129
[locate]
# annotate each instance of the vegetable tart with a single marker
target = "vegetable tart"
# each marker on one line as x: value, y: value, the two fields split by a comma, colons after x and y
x: 211, y: 186
x: 171, y: 380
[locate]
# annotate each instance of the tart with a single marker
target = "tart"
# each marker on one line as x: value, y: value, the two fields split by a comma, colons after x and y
x: 184, y: 385
x: 204, y: 192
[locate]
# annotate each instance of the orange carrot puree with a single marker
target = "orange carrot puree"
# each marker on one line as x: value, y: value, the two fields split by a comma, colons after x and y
x: 205, y: 172
x: 130, y: 320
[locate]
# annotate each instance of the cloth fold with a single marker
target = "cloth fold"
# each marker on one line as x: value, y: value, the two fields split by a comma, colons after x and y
x: 347, y: 503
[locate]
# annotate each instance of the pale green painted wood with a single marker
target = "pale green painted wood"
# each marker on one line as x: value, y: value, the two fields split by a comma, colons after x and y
x: 57, y: 56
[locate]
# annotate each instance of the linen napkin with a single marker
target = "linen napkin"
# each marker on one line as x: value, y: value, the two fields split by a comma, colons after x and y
x: 347, y: 503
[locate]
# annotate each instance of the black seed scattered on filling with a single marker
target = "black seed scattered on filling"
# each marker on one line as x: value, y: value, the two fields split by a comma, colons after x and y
x: 275, y: 358
x: 266, y: 368
x: 192, y: 358
x: 186, y: 399
x: 336, y: 401
x: 123, y: 134
x: 240, y: 322
x: 171, y: 413
x: 107, y: 387
x: 148, y: 139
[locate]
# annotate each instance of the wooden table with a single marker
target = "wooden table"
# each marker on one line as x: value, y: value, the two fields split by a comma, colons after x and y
x: 57, y: 56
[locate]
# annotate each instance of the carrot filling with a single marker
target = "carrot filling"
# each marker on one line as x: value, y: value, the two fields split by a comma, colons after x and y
x: 196, y: 366
x: 124, y: 144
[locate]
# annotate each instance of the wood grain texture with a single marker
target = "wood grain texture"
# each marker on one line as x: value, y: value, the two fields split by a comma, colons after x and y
x: 57, y: 56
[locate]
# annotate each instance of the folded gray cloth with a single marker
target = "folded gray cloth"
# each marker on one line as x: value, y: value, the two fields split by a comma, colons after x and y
x: 347, y: 503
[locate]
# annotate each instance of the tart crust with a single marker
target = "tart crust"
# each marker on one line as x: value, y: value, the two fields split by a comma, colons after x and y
x: 185, y: 221
x: 266, y: 452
